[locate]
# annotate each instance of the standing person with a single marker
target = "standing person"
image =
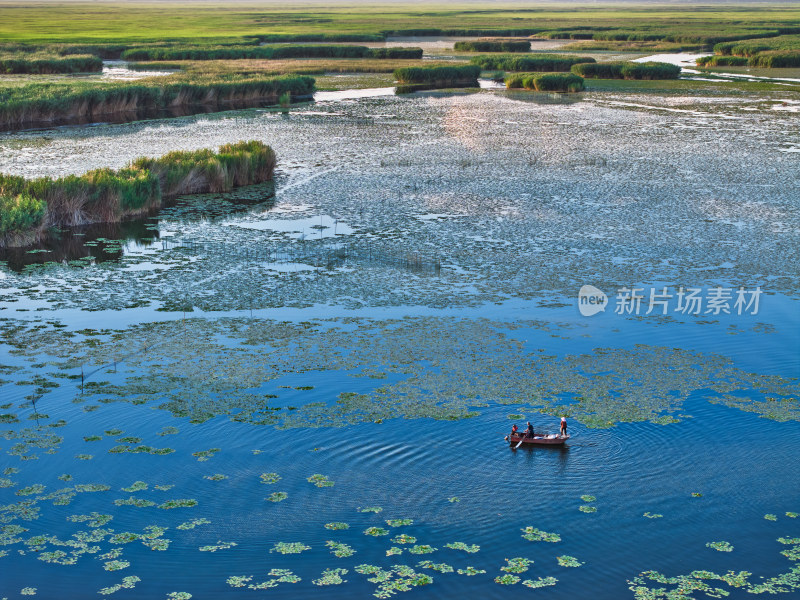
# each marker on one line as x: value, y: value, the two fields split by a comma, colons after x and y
x: 563, y: 431
x: 529, y: 430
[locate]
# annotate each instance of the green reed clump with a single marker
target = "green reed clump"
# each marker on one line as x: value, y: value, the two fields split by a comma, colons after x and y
x: 546, y: 82
x: 775, y: 60
x: 44, y: 102
x: 410, y: 53
x: 627, y: 70
x: 27, y: 207
x: 492, y: 46
x: 20, y: 212
x: 751, y: 47
x: 569, y: 35
x: 538, y: 62
x: 439, y: 76
x: 721, y: 61
x: 45, y: 64
x: 320, y: 37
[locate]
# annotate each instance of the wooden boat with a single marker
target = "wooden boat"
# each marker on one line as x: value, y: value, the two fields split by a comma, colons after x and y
x: 538, y: 439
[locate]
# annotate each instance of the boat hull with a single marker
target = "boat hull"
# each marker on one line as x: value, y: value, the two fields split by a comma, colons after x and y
x: 537, y: 440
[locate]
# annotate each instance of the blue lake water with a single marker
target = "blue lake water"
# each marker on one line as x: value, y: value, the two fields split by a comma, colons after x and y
x: 387, y: 348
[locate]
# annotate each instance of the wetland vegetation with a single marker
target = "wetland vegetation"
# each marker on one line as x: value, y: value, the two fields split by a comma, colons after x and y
x: 255, y: 389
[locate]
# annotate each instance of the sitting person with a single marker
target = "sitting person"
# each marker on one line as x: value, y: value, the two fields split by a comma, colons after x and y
x: 529, y: 430
x: 514, y: 429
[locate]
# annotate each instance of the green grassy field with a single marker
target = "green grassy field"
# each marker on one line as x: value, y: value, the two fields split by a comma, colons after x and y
x: 107, y: 22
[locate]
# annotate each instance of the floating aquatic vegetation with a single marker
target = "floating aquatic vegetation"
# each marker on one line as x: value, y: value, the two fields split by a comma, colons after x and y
x: 376, y: 531
x: 93, y: 519
x: 136, y: 486
x: 10, y: 471
x: 331, y: 577
x: 215, y: 477
x: 4, y: 483
x: 516, y: 417
x: 540, y: 582
x: 472, y: 548
x: 164, y: 488
x: 92, y: 438
x: 65, y: 477
x: 399, y: 522
x: 277, y: 496
x: 340, y: 550
x: 169, y: 431
x: 116, y: 565
x: 36, y: 488
x: 454, y: 499
x: 238, y: 580
x: 394, y: 551
x: 506, y: 579
x: 125, y: 537
x: 290, y: 547
x: 697, y: 495
x: 127, y: 583
x: 587, y: 509
x: 404, y: 539
x: 370, y: 509
x: 140, y: 450
x: 537, y: 535
x: 133, y: 501
x: 320, y: 480
x: 400, y: 578
x: 721, y: 546
x: 421, y: 549
x: 792, y: 515
x: 568, y: 561
x: 284, y: 575
x: 129, y: 440
x: 179, y: 596
x: 771, y: 517
x: 205, y: 454
x: 469, y: 571
x: 516, y: 565
x: 111, y: 554
x: 270, y: 478
x: 28, y: 591
x: 178, y: 503
x: 92, y: 487
x: 441, y: 567
x: 84, y: 456
x: 650, y: 515
x: 219, y: 546
x: 588, y: 498
x: 114, y: 432
x: 193, y: 523
x: 336, y: 525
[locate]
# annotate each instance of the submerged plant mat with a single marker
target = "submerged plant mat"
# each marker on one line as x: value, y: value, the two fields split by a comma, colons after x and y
x: 200, y: 369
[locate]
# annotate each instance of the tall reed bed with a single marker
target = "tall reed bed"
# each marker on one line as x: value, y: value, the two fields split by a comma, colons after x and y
x: 775, y: 59
x: 538, y: 62
x: 438, y: 76
x: 627, y: 70
x: 48, y: 102
x: 748, y: 48
x: 546, y: 82
x: 40, y: 63
x: 29, y: 207
x: 229, y: 52
x: 492, y: 46
x: 722, y: 61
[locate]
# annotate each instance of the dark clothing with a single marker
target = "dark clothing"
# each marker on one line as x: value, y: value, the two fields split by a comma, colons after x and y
x: 529, y: 431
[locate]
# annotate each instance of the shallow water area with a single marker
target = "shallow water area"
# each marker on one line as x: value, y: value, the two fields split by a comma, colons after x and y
x: 319, y: 375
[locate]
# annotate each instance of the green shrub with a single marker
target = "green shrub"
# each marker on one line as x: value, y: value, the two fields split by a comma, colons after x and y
x: 438, y: 75
x: 20, y: 212
x: 538, y: 62
x: 492, y: 46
